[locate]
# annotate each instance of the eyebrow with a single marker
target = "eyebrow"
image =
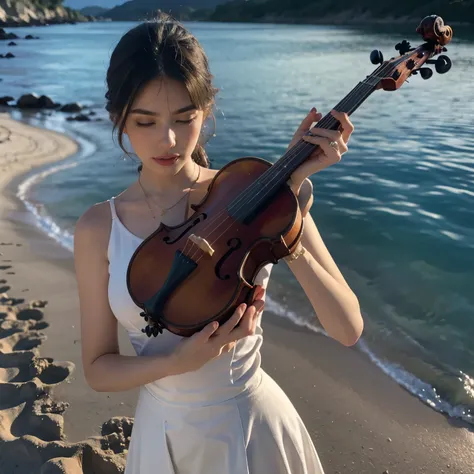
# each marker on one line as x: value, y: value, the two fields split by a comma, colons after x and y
x: 176, y: 112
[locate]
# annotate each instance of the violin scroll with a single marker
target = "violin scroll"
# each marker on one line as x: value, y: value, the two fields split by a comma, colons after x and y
x: 433, y: 29
x: 393, y: 73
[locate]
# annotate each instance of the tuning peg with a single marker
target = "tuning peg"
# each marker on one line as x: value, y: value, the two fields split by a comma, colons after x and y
x: 376, y: 57
x: 443, y: 64
x: 403, y: 47
x: 426, y: 72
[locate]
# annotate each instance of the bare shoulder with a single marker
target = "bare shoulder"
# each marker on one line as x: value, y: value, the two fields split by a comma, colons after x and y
x: 93, y: 227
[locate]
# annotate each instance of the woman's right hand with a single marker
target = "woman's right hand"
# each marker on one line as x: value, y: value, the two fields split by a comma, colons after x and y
x: 209, y: 343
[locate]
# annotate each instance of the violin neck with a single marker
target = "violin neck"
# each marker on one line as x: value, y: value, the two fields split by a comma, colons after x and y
x: 300, y: 152
x: 277, y: 175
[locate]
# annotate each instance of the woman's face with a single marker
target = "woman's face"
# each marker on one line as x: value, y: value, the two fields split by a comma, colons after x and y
x: 163, y: 126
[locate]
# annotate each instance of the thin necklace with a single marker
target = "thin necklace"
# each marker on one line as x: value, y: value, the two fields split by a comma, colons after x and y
x: 165, y: 210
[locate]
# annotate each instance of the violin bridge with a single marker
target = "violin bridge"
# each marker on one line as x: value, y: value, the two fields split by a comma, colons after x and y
x: 202, y: 244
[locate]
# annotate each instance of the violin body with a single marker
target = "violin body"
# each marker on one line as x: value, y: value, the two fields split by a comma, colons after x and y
x: 181, y: 285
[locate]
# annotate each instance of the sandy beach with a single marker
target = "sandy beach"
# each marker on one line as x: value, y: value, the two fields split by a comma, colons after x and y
x: 52, y: 422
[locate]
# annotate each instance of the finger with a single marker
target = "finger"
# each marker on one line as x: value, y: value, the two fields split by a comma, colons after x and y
x: 230, y: 324
x: 259, y: 293
x: 228, y: 347
x: 313, y: 116
x: 246, y: 326
x: 208, y: 331
x: 335, y: 135
x: 333, y: 154
x: 347, y: 126
x: 258, y: 305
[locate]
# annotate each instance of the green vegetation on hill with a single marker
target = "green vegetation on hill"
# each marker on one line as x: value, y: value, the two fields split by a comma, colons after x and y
x: 343, y: 10
x: 136, y: 10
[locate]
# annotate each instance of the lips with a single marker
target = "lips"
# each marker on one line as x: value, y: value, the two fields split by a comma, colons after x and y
x: 166, y: 160
x: 166, y: 157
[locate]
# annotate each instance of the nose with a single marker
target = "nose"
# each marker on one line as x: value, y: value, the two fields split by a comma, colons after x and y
x: 168, y: 137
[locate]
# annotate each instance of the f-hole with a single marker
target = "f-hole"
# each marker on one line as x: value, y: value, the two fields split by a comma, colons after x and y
x: 233, y: 244
x: 194, y: 222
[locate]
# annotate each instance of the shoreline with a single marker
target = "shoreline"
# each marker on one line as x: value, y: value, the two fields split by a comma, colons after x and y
x: 40, y: 374
x: 350, y: 407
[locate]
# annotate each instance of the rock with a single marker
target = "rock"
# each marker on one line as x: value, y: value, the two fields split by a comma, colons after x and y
x: 9, y: 55
x: 32, y: 101
x: 30, y: 37
x: 7, y: 36
x: 72, y: 107
x: 79, y: 118
x: 45, y: 102
x: 28, y: 101
x: 5, y: 99
x: 12, y: 43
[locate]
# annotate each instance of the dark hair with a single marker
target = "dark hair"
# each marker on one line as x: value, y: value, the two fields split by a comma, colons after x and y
x: 151, y: 50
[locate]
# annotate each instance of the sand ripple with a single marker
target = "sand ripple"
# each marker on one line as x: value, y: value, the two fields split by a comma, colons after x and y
x: 32, y: 435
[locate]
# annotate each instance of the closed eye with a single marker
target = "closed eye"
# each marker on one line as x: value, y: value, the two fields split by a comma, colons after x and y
x: 192, y: 119
x: 148, y: 124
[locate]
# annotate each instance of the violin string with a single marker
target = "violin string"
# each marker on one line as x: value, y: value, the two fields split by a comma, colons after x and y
x: 355, y: 94
x: 301, y: 146
x: 294, y: 152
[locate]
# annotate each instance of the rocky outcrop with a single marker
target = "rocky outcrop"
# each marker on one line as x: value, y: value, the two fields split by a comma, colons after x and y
x: 34, y: 12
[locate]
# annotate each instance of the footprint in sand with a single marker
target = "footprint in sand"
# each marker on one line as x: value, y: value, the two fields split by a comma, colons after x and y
x: 5, y: 267
x: 6, y: 300
x: 32, y: 435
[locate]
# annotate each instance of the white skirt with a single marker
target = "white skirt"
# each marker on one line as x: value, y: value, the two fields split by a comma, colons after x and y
x: 257, y: 432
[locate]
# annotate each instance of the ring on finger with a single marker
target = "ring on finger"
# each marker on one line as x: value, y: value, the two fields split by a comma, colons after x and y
x: 334, y: 145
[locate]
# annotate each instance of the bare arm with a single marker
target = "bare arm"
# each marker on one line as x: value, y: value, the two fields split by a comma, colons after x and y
x: 104, y: 368
x: 335, y: 304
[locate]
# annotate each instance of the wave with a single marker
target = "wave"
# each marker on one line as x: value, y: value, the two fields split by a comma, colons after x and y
x: 422, y: 390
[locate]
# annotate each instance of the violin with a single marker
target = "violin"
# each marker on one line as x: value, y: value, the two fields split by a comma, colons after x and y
x: 184, y: 277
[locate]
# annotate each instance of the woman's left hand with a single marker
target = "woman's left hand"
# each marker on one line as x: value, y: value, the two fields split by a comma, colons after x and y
x: 332, y: 144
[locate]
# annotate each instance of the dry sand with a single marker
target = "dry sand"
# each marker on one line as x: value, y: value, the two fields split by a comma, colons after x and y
x: 52, y: 422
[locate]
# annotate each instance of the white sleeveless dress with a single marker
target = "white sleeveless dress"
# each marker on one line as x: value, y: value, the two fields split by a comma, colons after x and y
x: 228, y: 417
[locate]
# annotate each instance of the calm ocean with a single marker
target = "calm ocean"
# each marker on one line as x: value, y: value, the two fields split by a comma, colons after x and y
x: 397, y: 213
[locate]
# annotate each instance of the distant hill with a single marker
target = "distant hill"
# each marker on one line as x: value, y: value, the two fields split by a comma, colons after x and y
x: 137, y: 10
x: 37, y: 12
x: 94, y: 11
x: 341, y: 11
x: 80, y: 4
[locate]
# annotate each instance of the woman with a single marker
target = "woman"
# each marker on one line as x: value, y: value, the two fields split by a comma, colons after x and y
x: 205, y: 405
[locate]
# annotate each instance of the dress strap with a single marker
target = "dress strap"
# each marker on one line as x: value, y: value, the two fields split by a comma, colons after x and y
x: 112, y: 208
